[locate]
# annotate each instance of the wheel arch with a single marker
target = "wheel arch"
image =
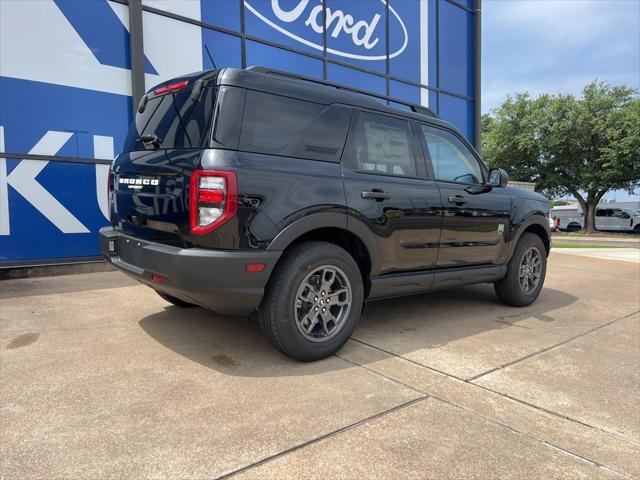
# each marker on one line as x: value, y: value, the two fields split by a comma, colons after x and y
x: 332, y: 227
x: 538, y: 225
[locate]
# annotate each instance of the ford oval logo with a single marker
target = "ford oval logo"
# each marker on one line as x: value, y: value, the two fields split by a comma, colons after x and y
x: 363, y: 33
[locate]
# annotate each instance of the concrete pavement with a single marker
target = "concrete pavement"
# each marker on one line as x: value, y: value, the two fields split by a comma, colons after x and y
x: 101, y: 378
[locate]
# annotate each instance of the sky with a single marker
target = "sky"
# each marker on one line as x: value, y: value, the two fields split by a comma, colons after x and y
x: 558, y: 46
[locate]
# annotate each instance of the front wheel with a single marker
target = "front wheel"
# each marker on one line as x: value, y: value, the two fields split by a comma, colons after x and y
x: 526, y: 272
x: 313, y: 301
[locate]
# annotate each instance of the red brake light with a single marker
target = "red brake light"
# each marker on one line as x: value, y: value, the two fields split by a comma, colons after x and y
x: 171, y: 88
x: 210, y: 196
x: 213, y: 199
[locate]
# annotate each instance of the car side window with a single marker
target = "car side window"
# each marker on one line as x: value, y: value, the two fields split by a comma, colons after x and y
x: 383, y: 145
x: 278, y: 125
x: 618, y: 213
x: 601, y: 213
x: 451, y: 159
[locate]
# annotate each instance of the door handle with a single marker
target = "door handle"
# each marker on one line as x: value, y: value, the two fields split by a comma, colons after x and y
x: 459, y: 199
x: 378, y: 196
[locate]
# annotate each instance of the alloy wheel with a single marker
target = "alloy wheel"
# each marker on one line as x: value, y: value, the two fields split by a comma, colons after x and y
x: 322, y: 303
x: 530, y: 270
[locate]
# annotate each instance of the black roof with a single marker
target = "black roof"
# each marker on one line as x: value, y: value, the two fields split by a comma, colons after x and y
x: 319, y: 91
x: 288, y: 84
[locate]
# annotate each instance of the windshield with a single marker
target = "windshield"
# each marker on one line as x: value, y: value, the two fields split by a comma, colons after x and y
x: 175, y: 119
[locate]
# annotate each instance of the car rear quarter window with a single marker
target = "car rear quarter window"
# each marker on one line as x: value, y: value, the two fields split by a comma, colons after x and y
x: 278, y: 125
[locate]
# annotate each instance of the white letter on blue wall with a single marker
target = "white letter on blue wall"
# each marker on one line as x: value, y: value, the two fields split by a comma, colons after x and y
x: 23, y: 179
x: 103, y: 149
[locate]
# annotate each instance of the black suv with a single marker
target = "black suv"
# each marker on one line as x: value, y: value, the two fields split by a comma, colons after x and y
x: 244, y: 190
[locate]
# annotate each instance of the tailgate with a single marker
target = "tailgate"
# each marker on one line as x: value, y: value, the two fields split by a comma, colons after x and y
x: 150, y: 193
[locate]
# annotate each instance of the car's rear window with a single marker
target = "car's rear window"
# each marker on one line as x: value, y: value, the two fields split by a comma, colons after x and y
x: 177, y: 121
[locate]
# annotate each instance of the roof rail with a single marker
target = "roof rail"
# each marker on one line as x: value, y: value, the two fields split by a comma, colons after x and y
x: 414, y: 108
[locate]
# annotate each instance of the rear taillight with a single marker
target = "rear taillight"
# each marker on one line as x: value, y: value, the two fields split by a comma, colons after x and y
x: 109, y: 193
x: 213, y: 199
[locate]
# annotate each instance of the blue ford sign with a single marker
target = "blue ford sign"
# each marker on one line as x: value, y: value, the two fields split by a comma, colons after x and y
x: 66, y: 86
x: 366, y: 35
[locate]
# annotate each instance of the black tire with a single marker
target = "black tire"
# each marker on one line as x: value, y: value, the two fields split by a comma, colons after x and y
x: 176, y: 301
x: 281, y: 309
x: 509, y: 289
x: 574, y: 227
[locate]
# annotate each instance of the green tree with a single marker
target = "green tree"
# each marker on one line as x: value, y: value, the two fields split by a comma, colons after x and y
x: 583, y: 147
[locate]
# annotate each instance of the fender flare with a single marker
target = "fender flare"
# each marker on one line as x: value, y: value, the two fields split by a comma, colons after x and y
x: 534, y: 219
x: 319, y: 220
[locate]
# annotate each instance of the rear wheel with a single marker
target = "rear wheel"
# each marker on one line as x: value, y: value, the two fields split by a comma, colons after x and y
x: 176, y: 301
x: 525, y: 272
x: 313, y: 301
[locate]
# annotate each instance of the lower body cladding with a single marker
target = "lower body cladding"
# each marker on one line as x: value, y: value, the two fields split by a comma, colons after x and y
x: 214, y: 279
x: 395, y: 285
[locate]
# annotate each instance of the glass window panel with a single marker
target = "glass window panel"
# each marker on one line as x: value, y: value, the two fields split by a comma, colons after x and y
x: 355, y: 78
x: 450, y: 157
x: 271, y: 122
x: 459, y: 112
x: 289, y: 24
x: 356, y: 33
x: 225, y: 49
x: 173, y: 47
x: 259, y: 54
x: 456, y: 49
x: 221, y: 13
x: 407, y: 64
x: 382, y: 144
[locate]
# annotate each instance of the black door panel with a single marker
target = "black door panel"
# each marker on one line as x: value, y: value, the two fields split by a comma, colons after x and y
x: 385, y: 186
x: 473, y: 232
x: 406, y: 224
x: 474, y: 215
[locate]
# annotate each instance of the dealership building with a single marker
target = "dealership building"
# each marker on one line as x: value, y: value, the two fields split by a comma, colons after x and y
x: 71, y: 73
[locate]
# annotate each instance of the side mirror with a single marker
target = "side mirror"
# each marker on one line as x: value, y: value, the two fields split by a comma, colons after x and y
x: 498, y: 177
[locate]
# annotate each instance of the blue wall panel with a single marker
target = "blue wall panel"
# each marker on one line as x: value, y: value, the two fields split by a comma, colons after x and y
x: 260, y: 54
x: 456, y: 49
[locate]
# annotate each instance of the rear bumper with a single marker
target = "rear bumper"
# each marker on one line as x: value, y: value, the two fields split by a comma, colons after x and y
x: 215, y: 279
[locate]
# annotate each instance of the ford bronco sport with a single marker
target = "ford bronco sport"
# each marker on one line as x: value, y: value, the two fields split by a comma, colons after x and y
x: 259, y: 190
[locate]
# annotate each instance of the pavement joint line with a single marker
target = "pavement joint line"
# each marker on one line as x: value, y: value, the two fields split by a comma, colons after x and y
x: 395, y: 380
x: 408, y: 360
x: 489, y: 419
x: 532, y: 437
x: 551, y: 347
x: 320, y: 438
x: 518, y: 400
x: 556, y: 414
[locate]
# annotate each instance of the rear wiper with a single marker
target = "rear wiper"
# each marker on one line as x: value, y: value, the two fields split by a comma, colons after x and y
x: 149, y: 138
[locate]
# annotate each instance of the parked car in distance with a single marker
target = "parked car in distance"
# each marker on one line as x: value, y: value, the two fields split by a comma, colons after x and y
x: 570, y: 218
x: 261, y: 191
